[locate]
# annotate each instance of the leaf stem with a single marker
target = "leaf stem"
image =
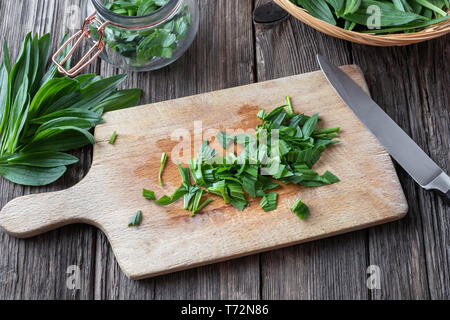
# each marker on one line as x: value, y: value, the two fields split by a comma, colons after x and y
x: 161, y: 170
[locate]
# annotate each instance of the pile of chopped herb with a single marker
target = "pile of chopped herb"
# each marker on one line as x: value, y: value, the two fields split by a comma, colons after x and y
x: 43, y: 114
x: 140, y: 47
x: 396, y: 16
x: 286, y: 147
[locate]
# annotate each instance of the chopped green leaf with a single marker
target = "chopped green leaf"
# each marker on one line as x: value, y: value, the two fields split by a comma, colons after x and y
x: 287, y: 154
x: 147, y: 194
x: 113, y: 138
x: 161, y: 170
x: 178, y: 194
x: 204, y: 204
x: 269, y: 201
x: 300, y: 209
x: 289, y: 106
x: 136, y: 220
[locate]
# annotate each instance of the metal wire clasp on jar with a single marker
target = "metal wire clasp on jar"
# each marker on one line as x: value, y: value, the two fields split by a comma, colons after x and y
x: 135, y: 43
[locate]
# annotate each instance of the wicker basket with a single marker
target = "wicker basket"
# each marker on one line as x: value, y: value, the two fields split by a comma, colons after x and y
x: 364, y: 38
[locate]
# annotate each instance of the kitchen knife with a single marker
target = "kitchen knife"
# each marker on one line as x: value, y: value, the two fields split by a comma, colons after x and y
x: 401, y: 147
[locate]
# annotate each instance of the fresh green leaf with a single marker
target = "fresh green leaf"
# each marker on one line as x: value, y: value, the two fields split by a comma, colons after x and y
x: 289, y: 106
x: 119, y: 100
x: 42, y: 159
x: 178, y: 194
x: 269, y: 202
x: 43, y: 114
x: 135, y: 220
x: 351, y: 6
x: 163, y: 164
x: 318, y: 9
x: 113, y: 138
x: 300, y: 146
x: 410, y: 26
x: 397, y: 16
x: 147, y: 194
x: 310, y: 126
x: 390, y: 16
x: 300, y: 209
x: 88, y: 115
x: 204, y: 204
x: 431, y: 6
x: 31, y: 176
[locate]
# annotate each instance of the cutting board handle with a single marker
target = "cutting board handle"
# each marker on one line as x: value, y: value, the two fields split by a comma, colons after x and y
x: 32, y: 215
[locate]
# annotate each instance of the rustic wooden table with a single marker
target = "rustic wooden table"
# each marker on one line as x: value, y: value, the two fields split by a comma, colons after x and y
x: 412, y: 84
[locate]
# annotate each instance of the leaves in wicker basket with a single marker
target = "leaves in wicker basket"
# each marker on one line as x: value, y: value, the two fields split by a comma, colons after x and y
x: 396, y: 16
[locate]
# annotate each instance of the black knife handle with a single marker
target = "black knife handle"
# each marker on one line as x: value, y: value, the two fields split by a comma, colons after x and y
x: 441, y: 184
x: 447, y: 197
x: 269, y: 14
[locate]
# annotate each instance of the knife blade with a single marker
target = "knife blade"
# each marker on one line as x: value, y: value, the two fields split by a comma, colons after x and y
x: 399, y: 145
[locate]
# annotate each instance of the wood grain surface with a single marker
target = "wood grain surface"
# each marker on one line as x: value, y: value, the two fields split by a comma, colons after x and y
x: 410, y: 83
x: 168, y: 239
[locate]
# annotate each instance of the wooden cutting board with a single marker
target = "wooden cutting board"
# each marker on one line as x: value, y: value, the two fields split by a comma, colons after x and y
x: 169, y: 239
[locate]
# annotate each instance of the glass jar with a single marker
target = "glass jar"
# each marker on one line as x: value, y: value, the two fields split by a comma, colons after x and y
x: 136, y: 43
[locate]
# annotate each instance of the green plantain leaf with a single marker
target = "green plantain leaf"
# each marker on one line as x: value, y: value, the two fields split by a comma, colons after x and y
x: 351, y: 6
x: 338, y: 5
x: 52, y: 72
x: 43, y: 159
x: 6, y: 59
x: 17, y: 118
x: 310, y: 126
x: 50, y: 93
x: 31, y: 176
x: 430, y: 5
x: 66, y: 122
x: 45, y: 114
x: 97, y: 91
x: 54, y: 131
x: 120, y: 99
x: 410, y: 26
x: 34, y: 62
x: 93, y: 117
x: 4, y: 96
x: 318, y: 9
x: 399, y: 5
x: 44, y: 53
x: 59, y: 139
x: 390, y: 16
x: 21, y: 68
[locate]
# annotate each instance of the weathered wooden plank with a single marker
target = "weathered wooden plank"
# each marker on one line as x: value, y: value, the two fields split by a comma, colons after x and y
x: 327, y: 269
x: 37, y: 268
x: 411, y: 83
x: 222, y: 56
x: 431, y: 128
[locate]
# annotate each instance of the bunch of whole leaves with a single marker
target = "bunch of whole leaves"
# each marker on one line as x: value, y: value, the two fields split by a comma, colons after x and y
x: 286, y: 147
x: 140, y: 47
x: 43, y: 114
x: 395, y: 15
